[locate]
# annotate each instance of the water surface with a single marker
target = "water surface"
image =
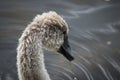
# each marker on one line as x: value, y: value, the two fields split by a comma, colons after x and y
x: 94, y: 37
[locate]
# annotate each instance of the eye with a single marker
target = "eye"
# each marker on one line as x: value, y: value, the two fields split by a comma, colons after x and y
x: 64, y: 32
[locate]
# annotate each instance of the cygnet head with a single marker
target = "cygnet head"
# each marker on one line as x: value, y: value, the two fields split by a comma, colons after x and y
x: 55, y: 33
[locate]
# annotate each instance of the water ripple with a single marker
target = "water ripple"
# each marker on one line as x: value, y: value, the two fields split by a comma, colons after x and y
x: 106, y: 74
x: 65, y: 69
x: 85, y: 70
x: 113, y: 62
x: 85, y: 11
x: 66, y: 72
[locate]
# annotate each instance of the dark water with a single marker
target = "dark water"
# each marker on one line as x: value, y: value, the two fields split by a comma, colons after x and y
x: 94, y: 37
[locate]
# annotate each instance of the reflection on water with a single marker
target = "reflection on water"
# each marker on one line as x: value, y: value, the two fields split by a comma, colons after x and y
x: 94, y: 37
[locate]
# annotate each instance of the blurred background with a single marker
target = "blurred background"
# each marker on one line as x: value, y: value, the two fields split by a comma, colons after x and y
x: 94, y: 37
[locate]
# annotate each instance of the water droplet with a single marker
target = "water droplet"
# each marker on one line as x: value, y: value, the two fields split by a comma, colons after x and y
x: 107, y: 0
x: 109, y: 42
x: 75, y: 78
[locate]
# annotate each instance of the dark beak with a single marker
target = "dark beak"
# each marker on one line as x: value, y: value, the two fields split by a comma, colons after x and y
x: 65, y: 50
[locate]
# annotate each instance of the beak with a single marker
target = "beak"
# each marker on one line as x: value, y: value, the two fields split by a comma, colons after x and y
x: 65, y: 50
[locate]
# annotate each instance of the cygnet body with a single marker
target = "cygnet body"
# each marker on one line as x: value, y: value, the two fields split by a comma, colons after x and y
x: 48, y: 31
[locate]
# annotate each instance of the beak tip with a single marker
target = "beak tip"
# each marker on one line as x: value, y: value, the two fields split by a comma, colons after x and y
x: 71, y: 58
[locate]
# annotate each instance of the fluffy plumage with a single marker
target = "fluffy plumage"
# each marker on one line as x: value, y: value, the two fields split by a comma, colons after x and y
x: 46, y: 30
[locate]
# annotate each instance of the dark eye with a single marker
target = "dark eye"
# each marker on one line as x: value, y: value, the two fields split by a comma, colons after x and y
x: 64, y: 32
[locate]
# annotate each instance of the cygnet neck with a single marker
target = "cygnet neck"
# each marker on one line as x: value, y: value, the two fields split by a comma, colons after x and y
x: 30, y: 58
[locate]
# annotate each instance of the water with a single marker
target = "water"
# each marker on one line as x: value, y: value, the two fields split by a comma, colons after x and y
x: 94, y: 37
